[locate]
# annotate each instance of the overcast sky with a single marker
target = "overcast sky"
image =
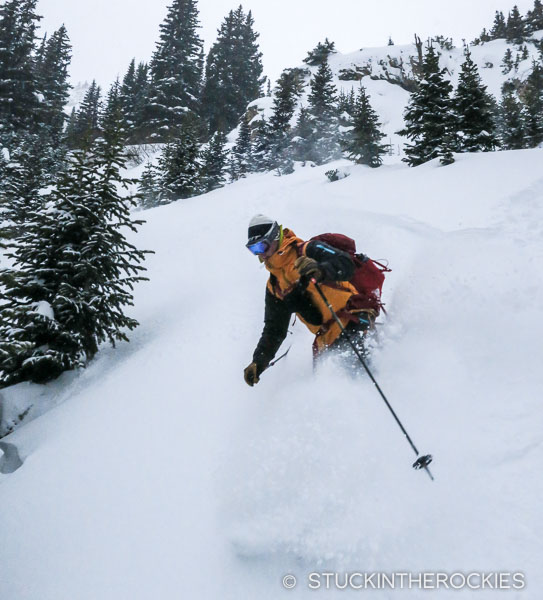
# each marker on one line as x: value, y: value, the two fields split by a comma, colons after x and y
x: 106, y: 34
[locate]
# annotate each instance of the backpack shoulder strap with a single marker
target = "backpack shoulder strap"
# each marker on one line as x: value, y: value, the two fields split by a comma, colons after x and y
x: 301, y: 248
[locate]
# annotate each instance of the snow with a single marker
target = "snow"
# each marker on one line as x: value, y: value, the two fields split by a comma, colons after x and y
x: 45, y: 309
x: 77, y: 95
x: 160, y: 474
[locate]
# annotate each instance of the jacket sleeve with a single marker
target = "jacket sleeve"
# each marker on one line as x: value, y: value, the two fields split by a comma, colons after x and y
x: 337, y: 265
x: 276, y: 319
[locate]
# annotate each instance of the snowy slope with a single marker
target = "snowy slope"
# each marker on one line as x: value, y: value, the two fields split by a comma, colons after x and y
x: 162, y: 475
x: 387, y: 72
x: 77, y: 94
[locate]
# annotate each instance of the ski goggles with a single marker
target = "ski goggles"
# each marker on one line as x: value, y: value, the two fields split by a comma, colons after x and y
x: 260, y: 247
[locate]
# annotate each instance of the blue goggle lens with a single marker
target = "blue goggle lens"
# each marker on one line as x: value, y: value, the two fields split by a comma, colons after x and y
x: 259, y: 248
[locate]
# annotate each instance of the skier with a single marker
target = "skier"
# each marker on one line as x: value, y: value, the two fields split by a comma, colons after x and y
x: 294, y: 265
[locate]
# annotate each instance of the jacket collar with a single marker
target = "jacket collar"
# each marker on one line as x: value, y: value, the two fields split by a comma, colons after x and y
x: 281, y: 254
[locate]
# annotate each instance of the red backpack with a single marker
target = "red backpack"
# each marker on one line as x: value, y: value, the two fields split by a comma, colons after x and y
x: 368, y: 276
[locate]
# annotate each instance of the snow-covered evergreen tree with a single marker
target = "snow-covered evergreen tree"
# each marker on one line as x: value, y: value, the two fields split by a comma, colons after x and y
x: 214, y: 162
x: 70, y: 135
x: 27, y: 170
x: 534, y: 18
x: 180, y: 167
x: 233, y: 75
x: 515, y: 27
x: 149, y: 187
x: 261, y: 146
x: 474, y: 109
x: 112, y: 114
x: 284, y: 105
x: 242, y: 158
x: 51, y: 74
x: 284, y: 102
x: 302, y: 142
x: 430, y: 124
x: 73, y: 270
x: 324, y: 116
x: 499, y: 28
x: 320, y: 53
x: 363, y: 142
x: 507, y: 62
x: 127, y: 92
x: 87, y: 119
x: 18, y: 91
x: 346, y: 107
x: 533, y: 107
x: 176, y: 72
x: 511, y: 123
x: 134, y: 92
x: 483, y: 38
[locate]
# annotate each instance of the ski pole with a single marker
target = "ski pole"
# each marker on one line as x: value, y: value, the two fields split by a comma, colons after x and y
x: 422, y: 462
x: 274, y: 362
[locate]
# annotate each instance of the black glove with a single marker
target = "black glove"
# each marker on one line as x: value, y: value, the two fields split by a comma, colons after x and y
x: 309, y: 269
x: 251, y: 374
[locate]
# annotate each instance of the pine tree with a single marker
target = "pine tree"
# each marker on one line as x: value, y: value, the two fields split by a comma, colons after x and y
x: 233, y: 76
x: 139, y: 103
x: 499, y: 29
x: 284, y: 105
x: 261, y: 146
x: 515, y: 27
x: 70, y: 133
x: 39, y: 52
x: 533, y: 107
x: 324, y: 114
x: 134, y: 94
x: 346, y: 108
x: 18, y: 98
x: 148, y: 187
x: 127, y: 93
x: 390, y: 42
x: 302, y: 142
x: 363, y: 142
x: 112, y: 116
x: 534, y: 18
x: 511, y: 125
x: 176, y: 72
x: 320, y: 53
x: 22, y: 177
x: 485, y: 36
x: 180, y: 167
x: 51, y: 74
x: 214, y: 161
x: 507, y: 63
x: 87, y: 121
x: 474, y: 110
x: 73, y: 270
x: 284, y: 102
x: 429, y: 117
x: 242, y: 152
